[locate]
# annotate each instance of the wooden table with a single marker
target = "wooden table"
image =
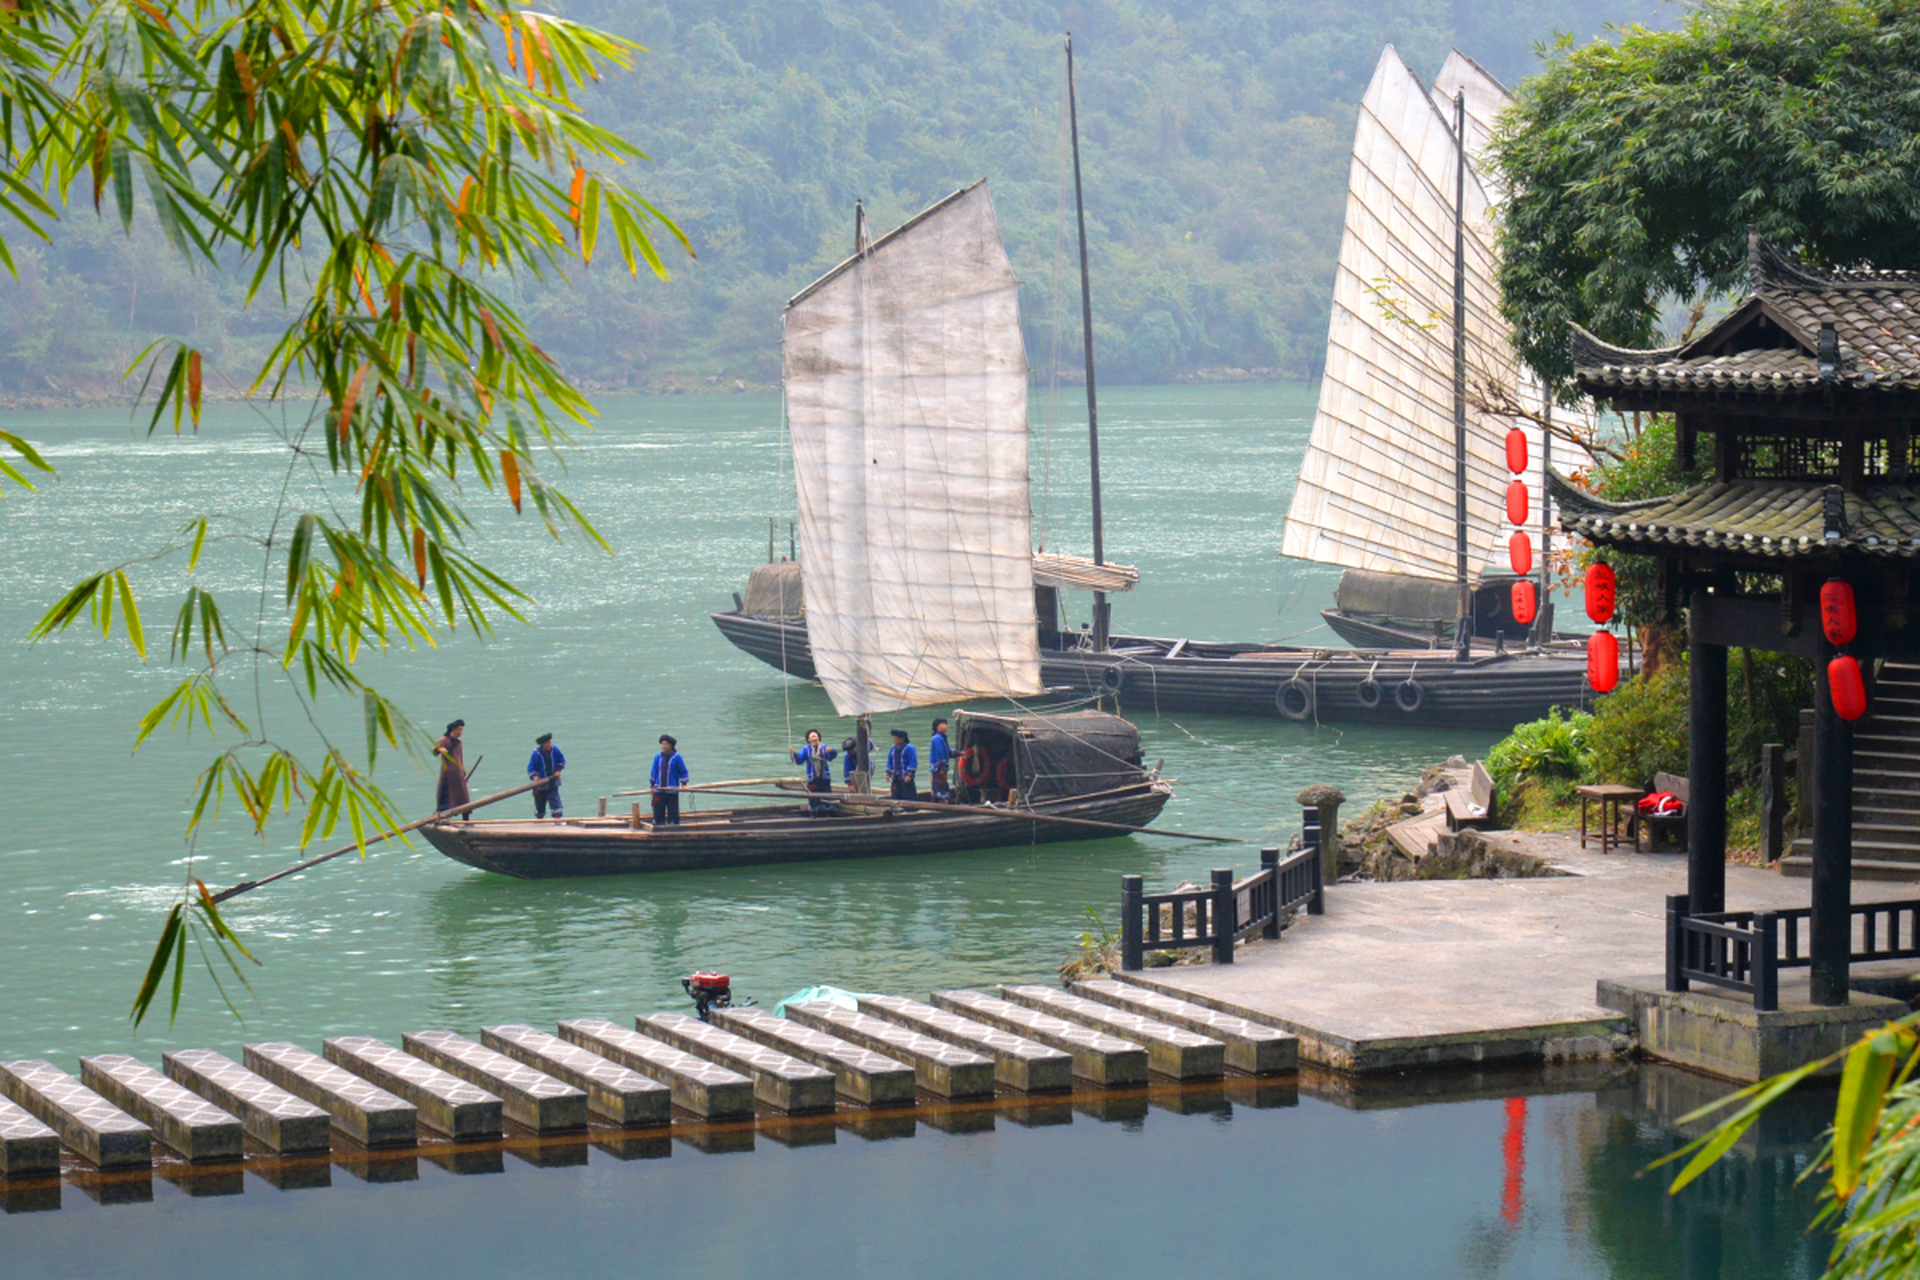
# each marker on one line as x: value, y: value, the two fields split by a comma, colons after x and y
x: 1609, y: 795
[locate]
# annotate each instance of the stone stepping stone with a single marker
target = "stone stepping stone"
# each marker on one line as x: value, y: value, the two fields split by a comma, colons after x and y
x: 271, y: 1116
x: 528, y: 1096
x: 189, y: 1124
x: 698, y: 1086
x: 447, y: 1103
x: 940, y: 1068
x: 26, y: 1146
x: 86, y: 1122
x: 1018, y: 1063
x: 1172, y: 1051
x: 1097, y: 1056
x: 1251, y: 1047
x: 614, y: 1092
x: 364, y: 1112
x: 860, y: 1074
x: 779, y: 1079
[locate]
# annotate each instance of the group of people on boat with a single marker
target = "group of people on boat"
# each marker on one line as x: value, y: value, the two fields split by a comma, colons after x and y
x: 903, y: 767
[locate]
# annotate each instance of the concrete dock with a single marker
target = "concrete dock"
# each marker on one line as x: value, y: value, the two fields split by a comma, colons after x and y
x: 1097, y: 1057
x: 363, y: 1111
x: 269, y: 1114
x: 699, y: 1087
x: 1019, y: 1063
x: 1449, y: 973
x: 860, y: 1074
x: 945, y: 1070
x: 442, y: 1101
x: 1171, y: 1051
x: 779, y: 1079
x: 528, y: 1096
x: 189, y: 1124
x: 615, y: 1094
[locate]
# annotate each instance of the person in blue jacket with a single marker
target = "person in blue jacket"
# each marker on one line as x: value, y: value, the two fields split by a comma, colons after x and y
x: 546, y: 762
x: 818, y: 758
x: 939, y: 762
x: 669, y: 775
x: 902, y: 763
x: 849, y: 761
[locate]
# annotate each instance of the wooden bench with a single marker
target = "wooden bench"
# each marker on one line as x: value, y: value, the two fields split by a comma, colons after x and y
x: 1656, y: 826
x: 1474, y: 806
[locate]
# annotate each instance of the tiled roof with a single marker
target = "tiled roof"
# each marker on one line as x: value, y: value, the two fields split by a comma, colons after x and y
x: 1874, y: 314
x: 1766, y: 518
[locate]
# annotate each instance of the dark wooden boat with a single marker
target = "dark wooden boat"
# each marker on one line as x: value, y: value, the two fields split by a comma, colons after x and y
x: 1394, y: 611
x: 1490, y: 690
x: 1072, y: 776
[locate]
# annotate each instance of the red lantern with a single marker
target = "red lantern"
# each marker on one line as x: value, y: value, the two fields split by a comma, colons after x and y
x: 1837, y: 616
x: 1601, y: 589
x: 1523, y: 603
x: 1845, y: 687
x: 1516, y: 503
x: 1603, y: 661
x: 1516, y: 451
x: 1520, y: 553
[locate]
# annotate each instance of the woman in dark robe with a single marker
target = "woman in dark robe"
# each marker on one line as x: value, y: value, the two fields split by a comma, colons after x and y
x: 452, y: 792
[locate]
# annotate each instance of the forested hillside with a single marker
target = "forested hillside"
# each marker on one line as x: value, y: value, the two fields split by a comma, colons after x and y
x: 1214, y: 135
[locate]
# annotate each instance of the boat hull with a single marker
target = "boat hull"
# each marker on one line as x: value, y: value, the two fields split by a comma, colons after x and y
x: 1367, y: 631
x: 1313, y: 686
x: 555, y: 848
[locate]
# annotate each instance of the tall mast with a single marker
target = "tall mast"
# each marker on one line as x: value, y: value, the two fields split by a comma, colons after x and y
x: 1100, y: 607
x: 1463, y: 634
x: 863, y: 723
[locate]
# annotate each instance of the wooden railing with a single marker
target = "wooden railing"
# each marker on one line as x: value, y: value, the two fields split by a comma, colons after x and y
x: 1224, y: 912
x: 1745, y: 951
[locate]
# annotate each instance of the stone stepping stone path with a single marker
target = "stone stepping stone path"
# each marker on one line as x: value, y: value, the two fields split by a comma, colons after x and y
x: 1097, y: 1057
x: 779, y: 1079
x: 271, y: 1116
x: 1171, y: 1051
x: 444, y: 1102
x: 184, y: 1121
x: 364, y: 1112
x: 939, y: 1068
x: 704, y: 1088
x: 1251, y: 1047
x: 860, y: 1074
x: 87, y: 1123
x: 528, y: 1096
x: 614, y: 1093
x: 1019, y: 1063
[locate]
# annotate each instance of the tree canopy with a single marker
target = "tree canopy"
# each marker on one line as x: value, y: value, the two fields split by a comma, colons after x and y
x: 1637, y: 167
x: 371, y: 174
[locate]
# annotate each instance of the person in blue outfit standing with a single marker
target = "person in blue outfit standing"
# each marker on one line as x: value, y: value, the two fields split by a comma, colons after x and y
x: 849, y: 760
x: 818, y: 758
x: 546, y: 762
x: 940, y: 762
x: 902, y: 763
x: 669, y: 775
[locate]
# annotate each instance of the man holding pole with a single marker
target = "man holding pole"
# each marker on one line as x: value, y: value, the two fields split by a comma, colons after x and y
x: 452, y: 791
x: 546, y: 762
x: 669, y: 775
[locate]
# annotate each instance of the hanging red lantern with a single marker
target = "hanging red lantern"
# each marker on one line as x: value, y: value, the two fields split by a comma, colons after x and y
x: 1837, y: 615
x: 1520, y: 553
x: 1516, y: 503
x: 1845, y: 687
x: 1523, y: 606
x: 1601, y: 590
x: 1603, y: 661
x: 1516, y: 451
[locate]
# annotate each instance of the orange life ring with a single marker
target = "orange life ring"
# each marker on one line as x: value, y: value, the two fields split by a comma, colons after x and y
x: 973, y: 766
x: 1003, y: 773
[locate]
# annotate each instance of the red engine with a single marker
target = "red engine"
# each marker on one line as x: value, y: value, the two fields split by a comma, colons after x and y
x: 708, y: 991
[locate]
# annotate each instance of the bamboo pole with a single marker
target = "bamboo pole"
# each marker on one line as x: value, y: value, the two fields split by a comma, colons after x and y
x: 247, y: 885
x: 881, y: 802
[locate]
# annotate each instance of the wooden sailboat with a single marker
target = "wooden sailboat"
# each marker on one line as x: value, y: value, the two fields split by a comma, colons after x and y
x: 906, y: 385
x: 1384, y: 488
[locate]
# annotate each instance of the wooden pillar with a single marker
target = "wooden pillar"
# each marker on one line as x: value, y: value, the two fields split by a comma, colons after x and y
x: 1831, y: 943
x: 1706, y: 769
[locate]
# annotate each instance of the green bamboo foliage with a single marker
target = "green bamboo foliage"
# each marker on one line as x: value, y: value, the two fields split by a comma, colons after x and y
x: 372, y: 167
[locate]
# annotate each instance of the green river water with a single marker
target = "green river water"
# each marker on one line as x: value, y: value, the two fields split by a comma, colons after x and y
x: 620, y: 649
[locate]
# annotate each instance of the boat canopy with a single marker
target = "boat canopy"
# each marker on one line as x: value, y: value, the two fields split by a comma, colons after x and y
x: 774, y: 591
x: 1074, y: 753
x: 906, y: 379
x: 1078, y: 573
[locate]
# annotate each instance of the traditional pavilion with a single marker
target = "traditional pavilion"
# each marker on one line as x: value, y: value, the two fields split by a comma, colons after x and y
x: 1805, y: 399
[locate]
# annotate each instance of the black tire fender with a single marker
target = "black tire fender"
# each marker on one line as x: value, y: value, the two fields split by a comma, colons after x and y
x: 1294, y: 699
x: 1114, y: 678
x: 1409, y: 694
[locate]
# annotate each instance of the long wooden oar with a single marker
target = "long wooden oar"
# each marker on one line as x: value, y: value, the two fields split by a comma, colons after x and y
x: 888, y: 802
x: 722, y: 785
x: 246, y: 885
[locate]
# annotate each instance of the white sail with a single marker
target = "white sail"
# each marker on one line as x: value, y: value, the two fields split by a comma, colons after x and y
x: 906, y: 383
x: 1376, y: 488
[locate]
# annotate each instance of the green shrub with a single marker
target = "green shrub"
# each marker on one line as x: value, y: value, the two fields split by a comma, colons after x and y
x: 1640, y: 728
x: 1552, y: 752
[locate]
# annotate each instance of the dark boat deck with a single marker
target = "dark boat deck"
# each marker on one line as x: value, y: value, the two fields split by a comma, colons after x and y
x: 764, y: 835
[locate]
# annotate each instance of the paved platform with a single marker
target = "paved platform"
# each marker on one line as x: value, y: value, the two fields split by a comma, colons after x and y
x: 1432, y: 973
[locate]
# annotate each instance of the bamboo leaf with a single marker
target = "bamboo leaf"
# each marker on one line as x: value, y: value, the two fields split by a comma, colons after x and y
x: 135, y: 632
x: 157, y: 966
